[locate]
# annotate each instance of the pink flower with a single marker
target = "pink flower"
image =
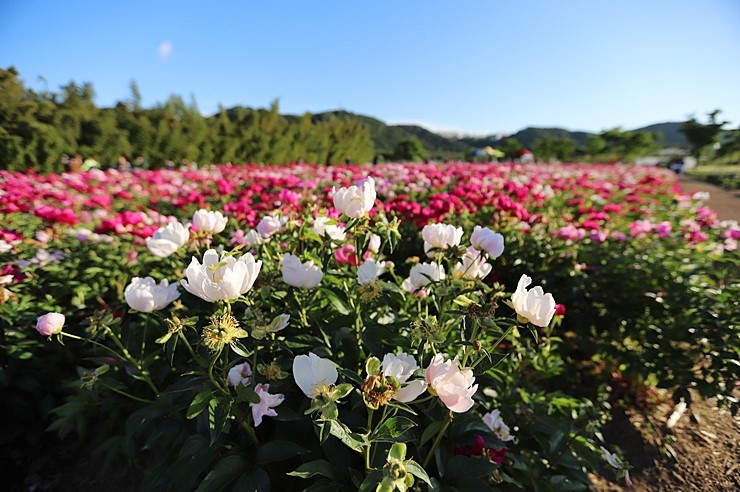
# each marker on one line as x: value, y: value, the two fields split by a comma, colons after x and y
x: 454, y: 386
x: 346, y: 255
x: 598, y: 236
x: 50, y: 324
x: 266, y: 404
x: 240, y: 374
x: 663, y: 229
x: 640, y: 227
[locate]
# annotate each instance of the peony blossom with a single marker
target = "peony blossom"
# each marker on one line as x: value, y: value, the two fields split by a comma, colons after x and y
x: 168, y: 239
x: 321, y: 227
x: 422, y: 274
x: 357, y: 200
x: 266, y: 404
x: 402, y: 367
x: 240, y: 374
x: 473, y: 265
x: 373, y: 244
x: 304, y: 275
x: 50, y: 324
x: 454, y: 386
x: 440, y: 236
x: 221, y: 278
x: 534, y: 305
x: 494, y: 422
x: 313, y: 374
x: 485, y: 239
x: 210, y: 222
x: 269, y: 226
x: 145, y: 295
x: 369, y: 271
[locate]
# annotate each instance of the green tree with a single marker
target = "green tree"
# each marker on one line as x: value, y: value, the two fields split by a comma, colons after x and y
x: 409, y: 150
x: 701, y: 135
x: 511, y: 148
x: 557, y: 148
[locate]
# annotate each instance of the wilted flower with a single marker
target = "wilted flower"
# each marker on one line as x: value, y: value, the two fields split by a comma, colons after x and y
x: 304, y: 275
x: 269, y: 226
x: 534, y: 305
x: 440, y: 236
x: 145, y: 295
x: 279, y: 322
x: 50, y: 324
x: 266, y: 404
x: 369, y: 271
x: 454, y: 386
x: 357, y: 200
x: 494, y: 422
x: 313, y: 374
x: 240, y: 374
x: 168, y: 239
x: 210, y: 222
x: 473, y: 265
x: 485, y: 239
x: 321, y: 227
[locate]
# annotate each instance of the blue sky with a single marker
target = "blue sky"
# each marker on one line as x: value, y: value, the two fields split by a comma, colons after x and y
x: 470, y: 66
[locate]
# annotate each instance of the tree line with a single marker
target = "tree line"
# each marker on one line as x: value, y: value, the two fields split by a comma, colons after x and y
x: 38, y: 128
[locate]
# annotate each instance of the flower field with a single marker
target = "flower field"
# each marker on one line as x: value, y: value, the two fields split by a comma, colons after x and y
x: 395, y: 327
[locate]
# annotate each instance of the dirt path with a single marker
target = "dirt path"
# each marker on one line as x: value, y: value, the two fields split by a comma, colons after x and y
x: 725, y: 203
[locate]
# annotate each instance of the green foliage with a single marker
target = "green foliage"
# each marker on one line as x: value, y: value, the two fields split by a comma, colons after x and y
x: 554, y: 148
x: 36, y: 130
x: 409, y: 150
x: 702, y: 135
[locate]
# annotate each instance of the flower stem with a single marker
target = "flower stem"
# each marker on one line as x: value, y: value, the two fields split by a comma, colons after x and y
x: 369, y: 432
x: 441, y: 433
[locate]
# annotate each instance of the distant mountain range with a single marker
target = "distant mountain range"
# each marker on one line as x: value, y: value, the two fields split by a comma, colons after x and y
x: 386, y: 137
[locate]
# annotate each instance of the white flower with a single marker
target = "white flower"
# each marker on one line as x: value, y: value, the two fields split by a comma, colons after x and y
x: 5, y: 246
x: 266, y: 404
x: 454, y: 386
x: 440, y: 237
x: 369, y: 271
x: 269, y: 226
x: 240, y: 374
x: 485, y: 239
x: 279, y: 322
x: 534, y: 305
x: 373, y: 244
x: 304, y: 275
x: 168, y: 239
x: 357, y: 200
x: 422, y: 274
x: 321, y: 227
x: 211, y: 222
x: 494, y: 422
x: 402, y: 367
x: 473, y: 265
x: 253, y: 238
x: 50, y: 323
x: 223, y: 278
x: 145, y: 295
x: 313, y: 374
x: 611, y: 458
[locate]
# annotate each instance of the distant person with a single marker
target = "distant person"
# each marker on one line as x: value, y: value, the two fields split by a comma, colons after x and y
x: 75, y: 164
x: 169, y: 164
x: 140, y: 163
x: 348, y: 159
x: 123, y: 164
x: 90, y: 163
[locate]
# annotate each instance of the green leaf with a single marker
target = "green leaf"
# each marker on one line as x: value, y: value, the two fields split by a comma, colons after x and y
x: 372, y: 366
x: 318, y: 467
x: 397, y: 451
x: 199, y: 403
x: 464, y: 467
x: 391, y: 429
x: 430, y: 431
x: 239, y: 349
x: 278, y: 451
x: 336, y: 303
x: 246, y: 394
x: 354, y: 441
x: 416, y: 470
x: 225, y: 472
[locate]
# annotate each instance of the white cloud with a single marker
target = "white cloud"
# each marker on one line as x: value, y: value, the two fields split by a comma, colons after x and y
x: 164, y: 50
